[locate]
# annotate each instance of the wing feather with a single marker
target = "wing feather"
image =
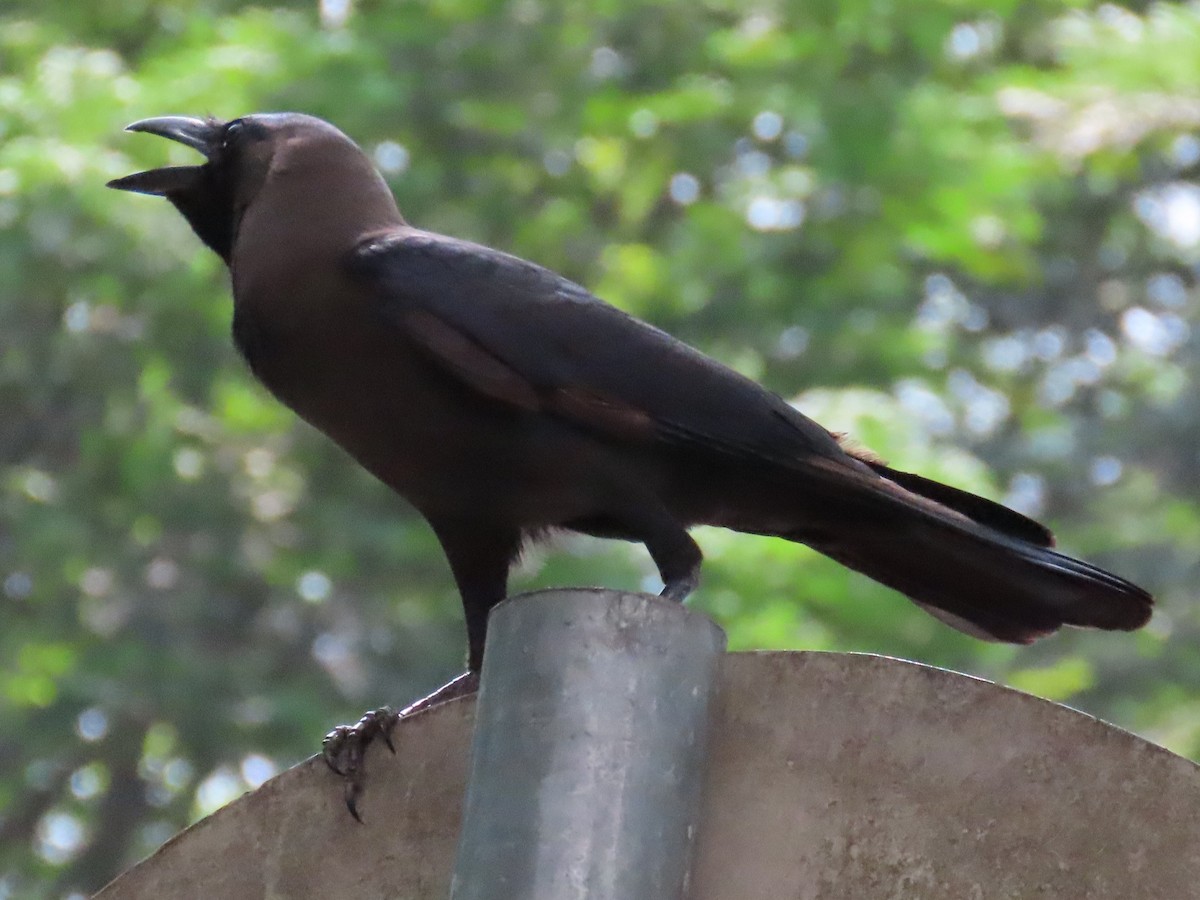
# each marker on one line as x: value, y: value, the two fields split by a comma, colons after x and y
x: 525, y: 336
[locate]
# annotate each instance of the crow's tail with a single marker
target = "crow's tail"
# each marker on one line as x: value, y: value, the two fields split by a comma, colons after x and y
x: 976, y: 565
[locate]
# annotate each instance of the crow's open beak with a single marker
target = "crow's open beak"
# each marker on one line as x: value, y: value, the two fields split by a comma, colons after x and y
x: 196, y: 133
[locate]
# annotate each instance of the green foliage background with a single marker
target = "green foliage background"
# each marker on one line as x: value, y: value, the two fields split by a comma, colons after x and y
x: 967, y: 232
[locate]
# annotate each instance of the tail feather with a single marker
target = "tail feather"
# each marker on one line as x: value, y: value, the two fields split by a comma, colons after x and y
x: 980, y: 509
x: 975, y: 565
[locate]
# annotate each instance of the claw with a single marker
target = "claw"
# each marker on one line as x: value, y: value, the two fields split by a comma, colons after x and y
x: 331, y: 747
x: 353, y: 791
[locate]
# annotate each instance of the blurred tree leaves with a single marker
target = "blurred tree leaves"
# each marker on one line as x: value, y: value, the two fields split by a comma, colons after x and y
x: 968, y: 234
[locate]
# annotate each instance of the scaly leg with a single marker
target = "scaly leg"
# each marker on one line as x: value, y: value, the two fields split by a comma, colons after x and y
x: 479, y: 555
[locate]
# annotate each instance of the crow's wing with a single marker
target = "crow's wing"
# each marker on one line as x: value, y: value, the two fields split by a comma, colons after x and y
x: 525, y: 336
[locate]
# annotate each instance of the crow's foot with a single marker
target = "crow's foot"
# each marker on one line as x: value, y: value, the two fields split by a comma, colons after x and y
x: 345, y: 748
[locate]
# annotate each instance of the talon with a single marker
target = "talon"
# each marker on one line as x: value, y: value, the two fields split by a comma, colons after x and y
x: 353, y: 791
x: 333, y: 746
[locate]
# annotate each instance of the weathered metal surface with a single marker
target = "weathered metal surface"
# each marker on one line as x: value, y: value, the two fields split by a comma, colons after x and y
x: 829, y: 776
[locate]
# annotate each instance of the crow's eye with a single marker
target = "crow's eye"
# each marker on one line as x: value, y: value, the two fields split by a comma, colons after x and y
x: 232, y: 132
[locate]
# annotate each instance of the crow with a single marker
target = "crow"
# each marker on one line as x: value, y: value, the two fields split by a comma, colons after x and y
x: 503, y: 401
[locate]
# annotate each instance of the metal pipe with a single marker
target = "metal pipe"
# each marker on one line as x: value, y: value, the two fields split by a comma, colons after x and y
x: 589, y: 749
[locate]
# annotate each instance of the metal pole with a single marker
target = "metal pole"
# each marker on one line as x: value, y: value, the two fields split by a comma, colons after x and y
x: 589, y: 749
